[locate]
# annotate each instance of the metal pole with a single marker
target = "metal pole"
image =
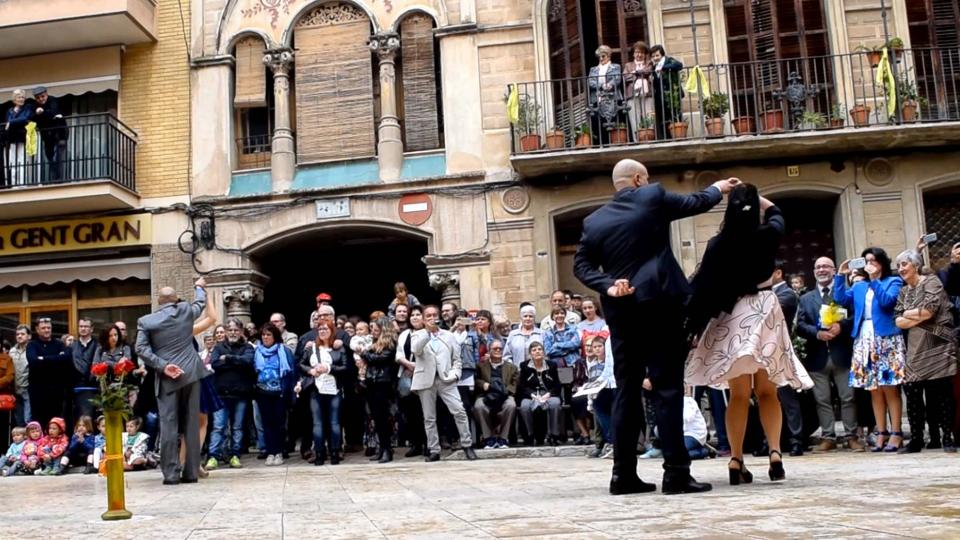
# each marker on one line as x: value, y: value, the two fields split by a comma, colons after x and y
x: 892, y: 57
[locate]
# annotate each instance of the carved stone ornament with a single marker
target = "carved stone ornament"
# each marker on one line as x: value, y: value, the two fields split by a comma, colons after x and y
x: 273, y: 7
x: 243, y: 295
x: 556, y: 10
x: 384, y: 44
x: 632, y: 6
x: 515, y: 199
x: 279, y: 60
x: 446, y: 282
x: 878, y: 171
x: 330, y: 14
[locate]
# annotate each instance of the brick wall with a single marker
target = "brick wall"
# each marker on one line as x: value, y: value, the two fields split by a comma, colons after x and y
x: 155, y: 102
x: 501, y: 65
x: 512, y: 268
x: 170, y: 267
x: 503, y: 11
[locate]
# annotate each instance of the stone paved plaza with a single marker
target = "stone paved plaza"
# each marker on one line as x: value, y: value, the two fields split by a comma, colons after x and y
x: 840, y: 495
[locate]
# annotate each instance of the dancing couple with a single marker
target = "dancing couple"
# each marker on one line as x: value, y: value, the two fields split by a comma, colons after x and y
x: 742, y: 339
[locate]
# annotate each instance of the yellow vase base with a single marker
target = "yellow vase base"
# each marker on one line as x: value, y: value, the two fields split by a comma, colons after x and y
x: 116, y: 515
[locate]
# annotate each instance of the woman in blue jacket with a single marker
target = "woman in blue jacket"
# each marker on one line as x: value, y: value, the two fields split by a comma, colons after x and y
x: 879, y: 354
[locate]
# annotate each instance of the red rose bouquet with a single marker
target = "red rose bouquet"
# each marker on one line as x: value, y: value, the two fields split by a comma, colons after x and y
x: 114, y: 388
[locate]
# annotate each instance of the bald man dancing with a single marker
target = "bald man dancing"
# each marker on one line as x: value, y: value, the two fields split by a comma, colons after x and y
x: 165, y: 343
x: 624, y: 254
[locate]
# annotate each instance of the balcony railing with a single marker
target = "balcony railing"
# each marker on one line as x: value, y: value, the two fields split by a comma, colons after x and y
x: 752, y: 98
x: 89, y: 147
x: 253, y: 152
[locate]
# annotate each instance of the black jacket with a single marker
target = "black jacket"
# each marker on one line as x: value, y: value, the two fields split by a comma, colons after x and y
x: 339, y: 367
x: 51, y: 128
x: 50, y: 364
x: 629, y: 238
x: 381, y: 366
x: 789, y: 303
x: 840, y: 349
x: 529, y: 383
x: 83, y: 358
x: 234, y: 372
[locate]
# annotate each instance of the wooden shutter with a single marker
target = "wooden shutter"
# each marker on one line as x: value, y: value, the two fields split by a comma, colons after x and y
x: 421, y: 128
x: 334, y: 85
x: 936, y: 58
x: 565, y: 35
x: 251, y: 78
x: 620, y: 23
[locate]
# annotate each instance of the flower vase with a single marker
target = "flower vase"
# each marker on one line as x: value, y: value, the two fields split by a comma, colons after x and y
x: 116, y: 501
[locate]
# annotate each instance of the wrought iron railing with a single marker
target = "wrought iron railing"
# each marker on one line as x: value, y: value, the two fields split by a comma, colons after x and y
x: 86, y: 147
x: 253, y: 152
x: 751, y: 98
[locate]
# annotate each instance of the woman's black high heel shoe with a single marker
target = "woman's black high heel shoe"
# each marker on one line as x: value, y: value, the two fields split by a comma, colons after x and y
x: 739, y: 475
x: 776, y: 468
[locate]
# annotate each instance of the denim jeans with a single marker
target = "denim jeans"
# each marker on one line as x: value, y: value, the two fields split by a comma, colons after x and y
x: 151, y: 423
x: 21, y: 411
x: 694, y: 448
x: 326, y: 412
x: 603, y: 410
x: 258, y: 423
x: 233, y: 413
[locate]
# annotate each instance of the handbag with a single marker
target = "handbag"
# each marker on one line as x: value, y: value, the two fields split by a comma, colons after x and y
x: 7, y: 402
x: 404, y: 386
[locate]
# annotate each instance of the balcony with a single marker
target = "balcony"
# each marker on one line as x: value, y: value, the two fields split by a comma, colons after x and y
x: 752, y: 111
x: 28, y: 27
x: 92, y: 169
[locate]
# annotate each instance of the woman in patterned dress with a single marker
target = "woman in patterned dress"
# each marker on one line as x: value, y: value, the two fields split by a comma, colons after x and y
x: 744, y: 340
x: 923, y: 311
x: 879, y: 355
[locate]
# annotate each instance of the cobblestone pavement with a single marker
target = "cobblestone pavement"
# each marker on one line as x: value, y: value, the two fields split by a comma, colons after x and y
x: 838, y: 495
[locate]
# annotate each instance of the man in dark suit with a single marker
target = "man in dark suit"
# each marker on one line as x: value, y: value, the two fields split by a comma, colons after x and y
x: 829, y: 352
x: 624, y: 254
x: 789, y: 397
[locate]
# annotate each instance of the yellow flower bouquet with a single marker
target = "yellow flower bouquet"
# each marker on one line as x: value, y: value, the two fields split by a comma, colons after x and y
x: 831, y: 314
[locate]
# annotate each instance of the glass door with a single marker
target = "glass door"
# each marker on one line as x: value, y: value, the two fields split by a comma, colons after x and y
x: 9, y: 320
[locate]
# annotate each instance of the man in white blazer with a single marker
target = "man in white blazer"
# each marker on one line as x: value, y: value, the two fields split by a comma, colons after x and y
x: 437, y: 355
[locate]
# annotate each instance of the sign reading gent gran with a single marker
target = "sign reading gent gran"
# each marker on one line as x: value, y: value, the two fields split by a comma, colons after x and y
x: 75, y: 234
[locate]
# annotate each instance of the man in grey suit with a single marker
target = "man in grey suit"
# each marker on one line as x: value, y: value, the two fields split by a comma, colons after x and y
x: 165, y: 343
x: 438, y: 373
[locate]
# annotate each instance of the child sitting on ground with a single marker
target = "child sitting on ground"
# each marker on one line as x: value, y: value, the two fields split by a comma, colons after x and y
x: 19, y: 437
x: 134, y: 447
x: 53, y: 446
x: 360, y: 343
x: 29, y: 460
x: 80, y: 451
x: 694, y: 427
x: 100, y: 444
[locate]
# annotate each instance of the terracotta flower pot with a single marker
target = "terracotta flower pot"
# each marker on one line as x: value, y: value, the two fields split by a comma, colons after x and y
x: 874, y: 58
x: 529, y: 143
x: 646, y: 135
x: 743, y: 124
x: 556, y: 139
x: 678, y: 130
x: 772, y: 121
x: 836, y: 122
x: 619, y: 136
x: 715, y: 127
x: 908, y: 112
x: 860, y: 115
x: 583, y: 140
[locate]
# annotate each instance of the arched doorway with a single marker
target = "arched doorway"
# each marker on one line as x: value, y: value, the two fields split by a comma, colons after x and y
x: 567, y: 229
x: 356, y: 264
x: 941, y: 212
x: 814, y: 229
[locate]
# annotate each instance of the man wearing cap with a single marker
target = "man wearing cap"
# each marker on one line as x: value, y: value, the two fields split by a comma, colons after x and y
x: 53, y: 130
x: 324, y: 299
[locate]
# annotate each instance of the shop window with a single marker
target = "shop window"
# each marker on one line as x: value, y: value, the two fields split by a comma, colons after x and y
x: 104, y: 317
x: 113, y: 289
x: 11, y: 295
x: 57, y: 291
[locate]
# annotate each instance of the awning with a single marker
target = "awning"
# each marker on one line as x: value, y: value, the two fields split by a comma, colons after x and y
x: 65, y: 272
x: 72, y: 72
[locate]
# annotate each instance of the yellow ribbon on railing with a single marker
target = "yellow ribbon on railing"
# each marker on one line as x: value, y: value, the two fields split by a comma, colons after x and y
x: 697, y: 82
x: 32, y: 137
x: 513, y: 105
x: 885, y: 78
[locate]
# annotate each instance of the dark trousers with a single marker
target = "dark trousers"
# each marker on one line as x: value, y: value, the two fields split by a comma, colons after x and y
x: 299, y: 425
x: 272, y: 412
x: 938, y: 407
x: 180, y: 413
x: 380, y: 395
x: 718, y: 411
x: 49, y: 402
x: 790, y: 401
x: 648, y: 340
x: 413, y: 421
x: 55, y: 152
x: 82, y: 406
x: 353, y: 414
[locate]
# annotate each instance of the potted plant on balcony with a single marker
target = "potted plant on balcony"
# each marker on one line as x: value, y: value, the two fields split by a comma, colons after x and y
x: 619, y: 134
x: 645, y: 129
x: 812, y: 120
x: 838, y: 114
x: 556, y: 139
x: 873, y: 54
x: 896, y: 45
x: 860, y: 114
x: 673, y: 98
x: 583, y: 139
x: 743, y: 125
x: 528, y: 124
x: 715, y: 107
x: 908, y: 99
x: 772, y: 119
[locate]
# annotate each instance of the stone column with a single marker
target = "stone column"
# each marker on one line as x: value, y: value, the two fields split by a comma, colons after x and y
x: 390, y: 147
x: 448, y: 283
x: 283, y: 160
x: 239, y: 299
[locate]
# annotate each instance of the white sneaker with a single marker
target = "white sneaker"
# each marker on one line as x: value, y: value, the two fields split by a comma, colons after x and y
x: 277, y: 459
x: 271, y: 461
x: 607, y: 451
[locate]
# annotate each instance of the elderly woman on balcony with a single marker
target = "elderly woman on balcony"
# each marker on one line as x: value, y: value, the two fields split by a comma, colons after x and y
x: 638, y: 87
x: 923, y: 311
x: 604, y: 83
x: 14, y: 137
x: 667, y: 90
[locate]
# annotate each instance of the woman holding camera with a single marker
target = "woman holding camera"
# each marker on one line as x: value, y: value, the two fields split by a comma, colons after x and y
x: 879, y: 353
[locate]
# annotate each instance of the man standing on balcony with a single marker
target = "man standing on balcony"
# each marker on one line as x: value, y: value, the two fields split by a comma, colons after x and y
x: 53, y: 131
x: 624, y: 254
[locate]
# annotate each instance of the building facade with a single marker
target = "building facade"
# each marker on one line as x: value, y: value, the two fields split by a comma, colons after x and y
x: 456, y: 145
x: 87, y: 230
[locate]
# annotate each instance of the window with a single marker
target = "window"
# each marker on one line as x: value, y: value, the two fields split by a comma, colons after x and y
x: 936, y: 57
x: 418, y: 94
x: 578, y: 27
x: 253, y: 104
